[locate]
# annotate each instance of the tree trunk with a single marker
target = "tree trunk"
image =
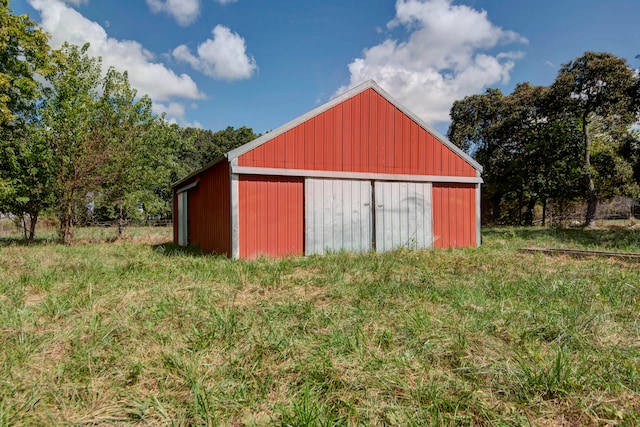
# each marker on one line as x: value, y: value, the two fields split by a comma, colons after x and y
x: 544, y: 212
x: 66, y: 226
x: 496, y: 202
x: 592, y: 196
x: 23, y: 223
x: 32, y: 226
x: 120, y: 222
x: 528, y: 216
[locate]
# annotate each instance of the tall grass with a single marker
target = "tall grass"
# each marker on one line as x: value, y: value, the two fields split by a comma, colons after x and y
x: 141, y: 332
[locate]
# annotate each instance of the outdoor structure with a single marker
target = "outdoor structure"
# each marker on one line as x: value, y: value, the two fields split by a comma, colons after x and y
x: 358, y: 173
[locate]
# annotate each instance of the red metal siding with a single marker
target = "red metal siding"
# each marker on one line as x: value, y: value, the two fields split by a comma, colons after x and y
x: 175, y: 217
x: 454, y: 215
x: 365, y: 133
x: 271, y: 216
x: 209, y: 210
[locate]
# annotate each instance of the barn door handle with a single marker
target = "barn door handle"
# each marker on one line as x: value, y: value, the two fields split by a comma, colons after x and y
x: 367, y: 204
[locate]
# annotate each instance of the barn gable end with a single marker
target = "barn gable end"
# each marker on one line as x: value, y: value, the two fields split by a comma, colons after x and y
x: 364, y: 130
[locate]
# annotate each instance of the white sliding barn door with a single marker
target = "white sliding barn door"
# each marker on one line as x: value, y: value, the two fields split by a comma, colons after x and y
x: 183, y: 219
x: 338, y: 215
x: 403, y: 215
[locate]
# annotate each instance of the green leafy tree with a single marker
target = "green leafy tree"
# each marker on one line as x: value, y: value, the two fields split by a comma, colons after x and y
x: 23, y: 53
x: 25, y: 161
x: 542, y: 146
x: 139, y: 159
x: 595, y: 86
x: 202, y: 146
x: 111, y: 151
x: 475, y: 126
x: 526, y: 152
x: 28, y: 163
x: 71, y: 127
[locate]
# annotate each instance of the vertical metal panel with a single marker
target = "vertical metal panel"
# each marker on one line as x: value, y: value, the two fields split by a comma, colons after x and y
x: 338, y: 215
x: 381, y: 139
x: 209, y: 212
x: 175, y: 217
x: 270, y: 216
x: 454, y: 215
x: 183, y: 218
x: 235, y: 216
x: 403, y: 215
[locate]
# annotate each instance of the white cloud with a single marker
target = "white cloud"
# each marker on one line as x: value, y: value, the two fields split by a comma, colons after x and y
x: 223, y: 2
x: 175, y: 114
x: 445, y: 57
x: 77, y: 2
x: 224, y: 57
x: 147, y: 76
x: 172, y: 109
x: 184, y: 11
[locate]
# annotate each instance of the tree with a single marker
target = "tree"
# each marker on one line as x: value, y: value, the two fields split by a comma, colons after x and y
x: 24, y: 158
x: 202, y: 146
x: 526, y: 150
x: 27, y: 161
x: 70, y: 127
x: 543, y: 147
x: 595, y: 86
x: 138, y: 160
x: 475, y: 126
x: 23, y: 53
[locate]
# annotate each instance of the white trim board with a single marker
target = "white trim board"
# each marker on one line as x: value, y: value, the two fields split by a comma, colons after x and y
x: 246, y: 170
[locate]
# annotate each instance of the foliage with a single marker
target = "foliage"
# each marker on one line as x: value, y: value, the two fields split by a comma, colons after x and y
x: 70, y: 115
x: 111, y: 152
x: 27, y: 163
x: 140, y: 155
x: 595, y: 86
x: 23, y: 52
x: 201, y: 146
x: 157, y: 335
x: 532, y: 142
x: 24, y: 160
x: 85, y: 144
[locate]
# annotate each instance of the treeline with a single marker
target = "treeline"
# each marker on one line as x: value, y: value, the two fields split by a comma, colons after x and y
x: 576, y: 140
x: 78, y: 143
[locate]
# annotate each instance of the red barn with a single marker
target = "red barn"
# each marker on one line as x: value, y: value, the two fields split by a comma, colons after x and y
x: 358, y: 173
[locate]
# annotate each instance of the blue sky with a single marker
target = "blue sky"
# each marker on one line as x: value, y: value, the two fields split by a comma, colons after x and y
x: 256, y: 63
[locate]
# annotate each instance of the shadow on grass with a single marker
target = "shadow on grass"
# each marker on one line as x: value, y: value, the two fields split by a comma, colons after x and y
x: 21, y: 241
x: 171, y: 250
x: 612, y: 237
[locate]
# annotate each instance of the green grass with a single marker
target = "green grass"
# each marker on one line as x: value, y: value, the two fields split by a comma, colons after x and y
x: 140, y: 332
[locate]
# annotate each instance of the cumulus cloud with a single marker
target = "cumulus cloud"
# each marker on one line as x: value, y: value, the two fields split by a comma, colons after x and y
x: 223, y: 57
x: 145, y: 74
x: 175, y: 112
x: 185, y: 12
x: 77, y: 2
x: 446, y: 56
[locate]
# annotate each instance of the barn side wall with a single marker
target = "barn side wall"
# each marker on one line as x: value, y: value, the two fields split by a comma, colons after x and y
x: 175, y: 217
x: 454, y: 215
x: 209, y: 211
x: 271, y: 216
x: 365, y: 133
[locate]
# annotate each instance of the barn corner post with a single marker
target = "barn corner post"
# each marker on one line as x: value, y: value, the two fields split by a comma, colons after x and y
x: 235, y: 209
x: 478, y: 214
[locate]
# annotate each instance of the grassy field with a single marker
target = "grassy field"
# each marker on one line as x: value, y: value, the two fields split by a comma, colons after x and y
x: 141, y: 332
